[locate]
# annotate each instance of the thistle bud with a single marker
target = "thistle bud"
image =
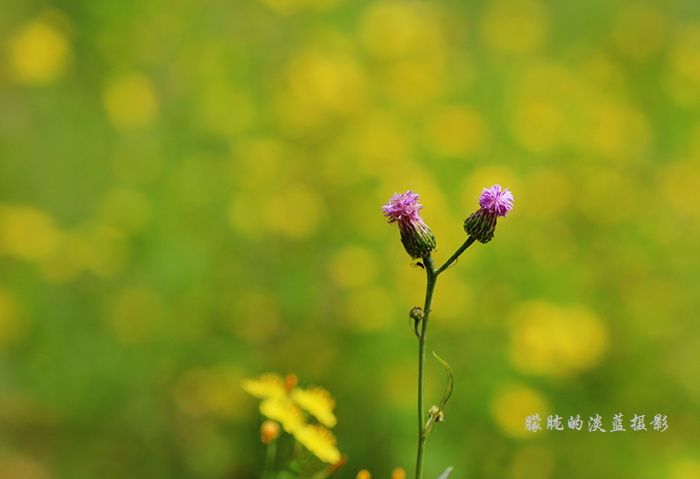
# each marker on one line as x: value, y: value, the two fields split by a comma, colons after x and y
x: 416, y: 236
x: 494, y: 203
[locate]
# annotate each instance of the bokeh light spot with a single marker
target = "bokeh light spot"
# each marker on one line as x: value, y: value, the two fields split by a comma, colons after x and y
x: 513, y: 404
x: 352, y: 267
x: 549, y: 340
x: 27, y: 232
x: 455, y: 131
x: 131, y: 101
x: 294, y: 212
x: 514, y: 26
x: 39, y: 53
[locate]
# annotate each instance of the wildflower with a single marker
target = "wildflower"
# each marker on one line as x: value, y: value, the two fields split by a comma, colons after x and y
x: 494, y: 202
x: 269, y: 431
x: 319, y: 441
x: 318, y: 402
x: 268, y: 386
x: 364, y: 474
x: 284, y: 411
x: 416, y: 237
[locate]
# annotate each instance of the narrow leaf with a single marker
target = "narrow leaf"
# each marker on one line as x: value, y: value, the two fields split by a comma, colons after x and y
x: 450, y: 381
x: 446, y: 473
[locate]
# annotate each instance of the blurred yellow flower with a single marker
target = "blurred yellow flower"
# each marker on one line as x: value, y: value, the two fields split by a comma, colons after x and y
x: 268, y: 386
x: 546, y: 339
x: 513, y: 405
x: 320, y: 441
x: 39, y: 53
x: 131, y: 101
x: 284, y: 411
x: 27, y: 232
x: 318, y: 402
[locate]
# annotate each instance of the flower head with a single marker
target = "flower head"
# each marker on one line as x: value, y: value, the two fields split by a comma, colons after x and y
x: 416, y: 237
x: 403, y: 207
x: 494, y: 202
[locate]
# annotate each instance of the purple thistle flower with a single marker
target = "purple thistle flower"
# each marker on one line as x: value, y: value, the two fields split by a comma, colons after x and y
x: 416, y: 237
x: 494, y: 202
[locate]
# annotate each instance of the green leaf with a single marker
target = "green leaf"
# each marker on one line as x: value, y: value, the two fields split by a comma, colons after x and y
x: 450, y: 381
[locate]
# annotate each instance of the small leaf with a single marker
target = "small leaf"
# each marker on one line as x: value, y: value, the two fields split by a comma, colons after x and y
x: 446, y: 473
x: 450, y: 381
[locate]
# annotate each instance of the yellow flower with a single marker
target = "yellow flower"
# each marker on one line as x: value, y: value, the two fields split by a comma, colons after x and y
x: 268, y: 386
x: 318, y: 402
x: 319, y: 441
x: 284, y: 411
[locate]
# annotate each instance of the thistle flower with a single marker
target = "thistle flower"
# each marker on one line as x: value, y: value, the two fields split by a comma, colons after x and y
x: 416, y: 237
x: 494, y: 202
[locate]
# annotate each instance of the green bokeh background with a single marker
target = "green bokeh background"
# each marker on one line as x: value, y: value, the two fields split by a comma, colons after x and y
x: 190, y: 195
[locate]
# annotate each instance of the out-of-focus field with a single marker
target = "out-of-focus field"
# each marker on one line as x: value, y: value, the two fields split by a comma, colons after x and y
x: 190, y: 195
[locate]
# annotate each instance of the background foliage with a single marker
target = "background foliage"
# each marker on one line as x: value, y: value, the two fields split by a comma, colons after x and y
x: 190, y: 196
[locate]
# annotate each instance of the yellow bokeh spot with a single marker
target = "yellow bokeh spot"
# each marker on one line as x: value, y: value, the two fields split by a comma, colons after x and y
x: 12, y: 322
x: 532, y: 462
x: 513, y: 404
x: 106, y: 251
x: 294, y: 212
x: 681, y: 187
x: 256, y: 315
x: 614, y: 130
x: 391, y: 29
x: 640, y: 31
x: 514, y: 26
x: 684, y: 56
x: 414, y: 83
x: 333, y: 82
x: 382, y: 145
x: 27, y: 232
x: 125, y: 209
x: 686, y: 469
x: 455, y: 131
x: 135, y: 314
x: 537, y: 125
x: 39, y: 53
x: 599, y: 187
x: 210, y: 392
x: 68, y: 259
x: 287, y: 7
x: 352, y: 267
x: 368, y: 310
x: 548, y: 194
x: 131, y: 101
x: 557, y: 342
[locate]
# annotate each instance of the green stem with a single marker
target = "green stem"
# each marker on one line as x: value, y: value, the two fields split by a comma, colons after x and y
x: 271, y: 451
x: 432, y: 279
x: 452, y: 259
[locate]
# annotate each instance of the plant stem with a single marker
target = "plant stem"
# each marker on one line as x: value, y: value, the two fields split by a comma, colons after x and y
x: 452, y: 259
x: 432, y: 279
